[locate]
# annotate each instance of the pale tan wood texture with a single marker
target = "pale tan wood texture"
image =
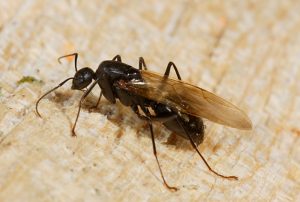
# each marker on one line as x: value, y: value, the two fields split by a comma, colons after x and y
x: 247, y: 52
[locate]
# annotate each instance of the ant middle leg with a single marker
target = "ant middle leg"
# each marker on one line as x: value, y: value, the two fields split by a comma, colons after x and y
x: 167, y: 72
x: 117, y: 58
x: 149, y: 120
x: 98, y: 101
x: 142, y: 63
x: 155, y: 154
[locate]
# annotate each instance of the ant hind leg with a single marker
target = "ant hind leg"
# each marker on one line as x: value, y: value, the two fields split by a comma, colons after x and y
x: 167, y: 73
x: 208, y: 166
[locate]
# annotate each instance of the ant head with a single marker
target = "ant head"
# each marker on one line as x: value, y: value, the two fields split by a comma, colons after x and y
x: 83, y: 78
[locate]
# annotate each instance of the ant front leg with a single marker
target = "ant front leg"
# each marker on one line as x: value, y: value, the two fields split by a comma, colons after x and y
x: 80, y: 103
x: 142, y: 63
x: 167, y: 73
x: 117, y: 58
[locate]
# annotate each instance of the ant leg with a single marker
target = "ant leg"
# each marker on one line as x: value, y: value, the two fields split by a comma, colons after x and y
x: 208, y: 166
x: 135, y: 109
x: 80, y: 103
x: 117, y: 58
x: 142, y: 63
x: 155, y: 154
x: 73, y: 54
x: 167, y: 73
x: 98, y: 101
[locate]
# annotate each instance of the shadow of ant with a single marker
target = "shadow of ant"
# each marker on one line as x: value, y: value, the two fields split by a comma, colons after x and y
x: 123, y: 116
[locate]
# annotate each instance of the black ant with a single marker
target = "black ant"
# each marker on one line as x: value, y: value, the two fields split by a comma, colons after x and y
x: 179, y: 106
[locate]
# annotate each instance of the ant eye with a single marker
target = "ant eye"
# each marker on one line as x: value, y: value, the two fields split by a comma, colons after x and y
x: 82, y: 78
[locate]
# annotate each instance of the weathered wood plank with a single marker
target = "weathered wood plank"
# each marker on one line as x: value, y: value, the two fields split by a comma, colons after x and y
x: 247, y: 52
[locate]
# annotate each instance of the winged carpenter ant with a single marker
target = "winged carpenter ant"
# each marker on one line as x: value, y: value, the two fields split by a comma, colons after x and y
x: 179, y: 106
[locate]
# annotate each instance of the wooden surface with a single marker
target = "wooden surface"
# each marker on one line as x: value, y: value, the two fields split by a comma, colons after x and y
x: 248, y: 52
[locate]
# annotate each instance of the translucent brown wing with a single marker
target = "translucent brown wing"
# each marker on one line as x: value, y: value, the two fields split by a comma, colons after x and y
x: 189, y: 99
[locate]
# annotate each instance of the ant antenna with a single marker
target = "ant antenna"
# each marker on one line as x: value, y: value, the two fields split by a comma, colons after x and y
x: 50, y: 91
x: 64, y: 56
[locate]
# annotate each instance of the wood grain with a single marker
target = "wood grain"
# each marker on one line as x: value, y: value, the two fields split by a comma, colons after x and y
x: 247, y: 52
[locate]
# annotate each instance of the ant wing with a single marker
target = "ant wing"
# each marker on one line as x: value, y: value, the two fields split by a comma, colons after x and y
x: 187, y: 98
